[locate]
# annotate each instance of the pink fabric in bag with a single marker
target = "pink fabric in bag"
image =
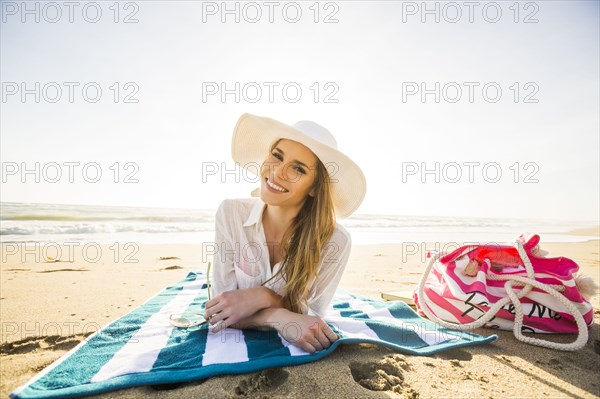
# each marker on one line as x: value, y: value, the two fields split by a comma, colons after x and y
x: 456, y: 297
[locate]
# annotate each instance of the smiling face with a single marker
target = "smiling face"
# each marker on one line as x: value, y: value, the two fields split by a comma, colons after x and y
x: 288, y: 174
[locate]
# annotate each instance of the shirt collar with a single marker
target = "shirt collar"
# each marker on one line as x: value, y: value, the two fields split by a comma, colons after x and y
x: 255, y: 217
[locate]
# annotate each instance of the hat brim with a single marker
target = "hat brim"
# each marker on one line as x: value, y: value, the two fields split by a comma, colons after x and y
x: 250, y: 145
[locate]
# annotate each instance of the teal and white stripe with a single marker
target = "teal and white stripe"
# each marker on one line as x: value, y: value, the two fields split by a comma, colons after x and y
x: 143, y: 348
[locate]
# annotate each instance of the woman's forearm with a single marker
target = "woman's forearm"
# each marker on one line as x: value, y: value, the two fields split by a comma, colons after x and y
x: 242, y: 304
x: 310, y: 333
x: 273, y: 300
x: 264, y: 319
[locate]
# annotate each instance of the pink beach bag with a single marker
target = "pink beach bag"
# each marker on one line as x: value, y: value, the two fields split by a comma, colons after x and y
x: 507, y: 287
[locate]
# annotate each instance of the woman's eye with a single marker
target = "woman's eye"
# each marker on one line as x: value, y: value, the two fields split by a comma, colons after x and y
x: 297, y: 168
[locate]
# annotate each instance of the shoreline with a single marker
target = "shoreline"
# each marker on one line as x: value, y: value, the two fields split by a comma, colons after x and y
x: 361, y: 236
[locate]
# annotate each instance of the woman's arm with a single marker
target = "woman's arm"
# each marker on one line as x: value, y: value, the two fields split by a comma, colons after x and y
x: 227, y: 300
x: 236, y: 305
x: 223, y: 274
x: 310, y: 333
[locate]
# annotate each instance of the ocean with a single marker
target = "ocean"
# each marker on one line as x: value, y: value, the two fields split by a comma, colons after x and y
x: 56, y: 223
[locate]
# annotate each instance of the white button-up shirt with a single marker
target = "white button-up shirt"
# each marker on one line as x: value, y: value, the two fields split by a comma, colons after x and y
x: 241, y: 255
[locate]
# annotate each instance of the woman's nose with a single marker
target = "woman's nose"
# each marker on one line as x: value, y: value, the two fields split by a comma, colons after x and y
x: 281, y: 171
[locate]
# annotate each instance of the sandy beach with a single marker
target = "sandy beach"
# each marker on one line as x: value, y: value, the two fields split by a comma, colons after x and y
x: 47, y: 307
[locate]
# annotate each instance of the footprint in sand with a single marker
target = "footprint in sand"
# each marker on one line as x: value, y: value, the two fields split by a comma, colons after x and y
x: 64, y: 270
x: 262, y: 382
x: 455, y: 354
x: 175, y: 267
x: 53, y: 342
x: 384, y: 375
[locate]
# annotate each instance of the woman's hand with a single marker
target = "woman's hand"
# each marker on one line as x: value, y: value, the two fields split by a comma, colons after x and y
x: 232, y: 306
x: 310, y: 333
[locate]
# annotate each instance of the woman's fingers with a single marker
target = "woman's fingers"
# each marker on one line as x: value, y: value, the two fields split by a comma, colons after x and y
x: 206, y: 313
x: 210, y: 311
x: 212, y: 302
x: 325, y: 335
x: 220, y: 325
x: 315, y: 334
x: 319, y: 336
x: 329, y: 333
x: 315, y: 342
x: 323, y: 342
x: 307, y: 347
x: 319, y: 341
x: 217, y: 317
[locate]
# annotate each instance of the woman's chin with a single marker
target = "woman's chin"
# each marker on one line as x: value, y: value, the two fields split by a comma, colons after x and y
x: 270, y: 197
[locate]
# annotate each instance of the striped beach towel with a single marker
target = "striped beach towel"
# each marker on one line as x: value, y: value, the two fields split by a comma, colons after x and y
x: 143, y: 348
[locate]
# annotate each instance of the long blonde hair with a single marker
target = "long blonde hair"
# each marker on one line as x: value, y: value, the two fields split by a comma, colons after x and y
x: 304, y: 240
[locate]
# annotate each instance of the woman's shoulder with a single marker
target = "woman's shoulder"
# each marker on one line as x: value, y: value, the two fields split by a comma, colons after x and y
x: 341, y: 235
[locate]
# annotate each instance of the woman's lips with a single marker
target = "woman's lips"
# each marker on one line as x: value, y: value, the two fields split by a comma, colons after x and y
x: 273, y: 190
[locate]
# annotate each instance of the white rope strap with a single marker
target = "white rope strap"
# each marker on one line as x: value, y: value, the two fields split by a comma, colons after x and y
x: 528, y: 282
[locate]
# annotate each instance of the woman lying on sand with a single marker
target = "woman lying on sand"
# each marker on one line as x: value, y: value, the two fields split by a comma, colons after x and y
x: 281, y: 256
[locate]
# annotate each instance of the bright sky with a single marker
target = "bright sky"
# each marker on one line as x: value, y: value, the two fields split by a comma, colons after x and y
x: 536, y: 122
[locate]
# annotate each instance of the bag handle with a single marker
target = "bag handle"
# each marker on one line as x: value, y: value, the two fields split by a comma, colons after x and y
x: 528, y: 282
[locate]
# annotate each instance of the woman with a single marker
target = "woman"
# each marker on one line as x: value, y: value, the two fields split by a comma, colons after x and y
x: 281, y: 256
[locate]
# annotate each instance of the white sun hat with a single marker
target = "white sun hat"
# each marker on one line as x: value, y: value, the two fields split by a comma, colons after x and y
x: 253, y: 136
